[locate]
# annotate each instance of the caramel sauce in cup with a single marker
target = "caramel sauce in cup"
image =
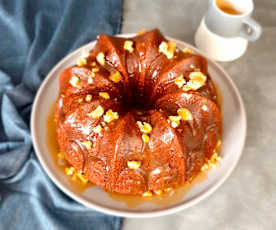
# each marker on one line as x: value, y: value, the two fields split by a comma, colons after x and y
x: 227, y: 7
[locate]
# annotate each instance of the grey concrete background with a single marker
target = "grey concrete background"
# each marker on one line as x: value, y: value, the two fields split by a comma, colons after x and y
x: 248, y: 198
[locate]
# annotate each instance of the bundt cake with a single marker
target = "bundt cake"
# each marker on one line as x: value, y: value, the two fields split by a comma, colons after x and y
x: 137, y: 115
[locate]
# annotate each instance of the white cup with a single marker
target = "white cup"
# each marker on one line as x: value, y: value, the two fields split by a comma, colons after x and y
x: 224, y: 37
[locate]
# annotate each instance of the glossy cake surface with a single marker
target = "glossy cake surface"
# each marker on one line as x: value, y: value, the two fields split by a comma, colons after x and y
x: 137, y: 115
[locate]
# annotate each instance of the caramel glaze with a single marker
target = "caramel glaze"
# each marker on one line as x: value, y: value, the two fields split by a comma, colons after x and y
x: 173, y: 155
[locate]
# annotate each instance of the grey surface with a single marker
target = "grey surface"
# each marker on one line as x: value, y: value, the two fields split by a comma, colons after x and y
x: 248, y: 198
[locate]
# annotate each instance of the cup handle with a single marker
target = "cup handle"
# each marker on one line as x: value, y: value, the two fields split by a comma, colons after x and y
x: 251, y: 29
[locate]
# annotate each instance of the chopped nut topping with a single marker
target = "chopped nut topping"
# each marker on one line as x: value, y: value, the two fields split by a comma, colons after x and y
x: 180, y: 81
x: 144, y: 127
x: 175, y: 124
x: 98, y: 112
x: 82, y: 178
x: 101, y: 58
x: 92, y: 74
x: 88, y: 97
x: 134, y: 164
x: 87, y: 144
x: 167, y: 48
x: 75, y: 174
x: 95, y: 70
x: 81, y: 61
x: 70, y: 171
x: 188, y: 51
x: 140, y: 32
x: 145, y: 138
x: 97, y: 129
x: 167, y: 189
x: 128, y: 45
x: 90, y: 80
x: 192, y: 85
x: 93, y: 64
x: 197, y: 80
x: 115, y: 77
x: 80, y: 100
x: 186, y: 88
x: 175, y: 121
x: 61, y: 155
x: 147, y: 194
x: 158, y: 192
x: 213, y: 162
x: 104, y: 95
x: 199, y: 76
x: 74, y: 81
x: 185, y: 114
x: 204, y: 107
x: 110, y: 116
x: 175, y: 118
x: 204, y: 167
x: 215, y: 158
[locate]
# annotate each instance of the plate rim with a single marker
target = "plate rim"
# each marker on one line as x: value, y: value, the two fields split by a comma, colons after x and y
x: 136, y: 214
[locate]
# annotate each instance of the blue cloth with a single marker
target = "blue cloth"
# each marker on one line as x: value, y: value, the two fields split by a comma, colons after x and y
x: 34, y: 36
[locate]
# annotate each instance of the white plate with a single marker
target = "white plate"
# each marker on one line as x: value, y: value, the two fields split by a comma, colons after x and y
x: 234, y: 133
